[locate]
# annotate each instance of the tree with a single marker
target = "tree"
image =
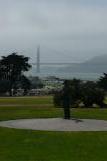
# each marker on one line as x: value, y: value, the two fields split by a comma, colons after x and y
x: 92, y: 94
x: 25, y: 84
x: 102, y: 82
x: 88, y: 93
x: 62, y: 99
x: 66, y: 99
x: 75, y: 92
x: 4, y: 86
x: 12, y: 67
x: 69, y: 96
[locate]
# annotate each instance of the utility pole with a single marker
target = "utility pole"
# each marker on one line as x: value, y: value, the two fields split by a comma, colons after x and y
x: 38, y: 59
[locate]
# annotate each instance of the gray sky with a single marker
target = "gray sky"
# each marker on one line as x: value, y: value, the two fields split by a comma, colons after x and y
x: 67, y: 30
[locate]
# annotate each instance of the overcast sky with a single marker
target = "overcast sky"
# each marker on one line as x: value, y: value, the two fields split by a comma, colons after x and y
x: 67, y: 30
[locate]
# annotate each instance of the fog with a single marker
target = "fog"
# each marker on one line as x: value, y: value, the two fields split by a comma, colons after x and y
x: 66, y: 30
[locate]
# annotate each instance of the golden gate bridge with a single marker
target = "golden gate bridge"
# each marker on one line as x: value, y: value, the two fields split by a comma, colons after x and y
x: 38, y: 63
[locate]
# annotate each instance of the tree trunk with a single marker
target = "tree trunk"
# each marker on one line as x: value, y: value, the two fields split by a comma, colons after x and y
x: 66, y: 100
x: 66, y: 106
x: 66, y: 113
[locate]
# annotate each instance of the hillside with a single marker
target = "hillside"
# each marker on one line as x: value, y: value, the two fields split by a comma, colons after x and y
x: 97, y: 64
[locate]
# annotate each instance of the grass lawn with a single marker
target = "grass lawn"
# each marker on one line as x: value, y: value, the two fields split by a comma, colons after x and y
x: 26, y: 100
x: 29, y: 145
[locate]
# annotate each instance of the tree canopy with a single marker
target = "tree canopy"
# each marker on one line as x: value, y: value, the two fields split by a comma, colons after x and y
x: 102, y: 82
x: 12, y: 68
x: 76, y: 92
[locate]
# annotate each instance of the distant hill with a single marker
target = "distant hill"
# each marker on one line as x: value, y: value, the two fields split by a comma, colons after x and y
x: 97, y: 64
x: 102, y: 59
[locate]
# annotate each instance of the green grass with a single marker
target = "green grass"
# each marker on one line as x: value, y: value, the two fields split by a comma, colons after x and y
x: 29, y: 145
x: 26, y: 100
x: 21, y: 112
x: 9, y: 113
x: 89, y: 113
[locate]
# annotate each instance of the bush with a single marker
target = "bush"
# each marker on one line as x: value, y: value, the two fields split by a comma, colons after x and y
x: 78, y: 92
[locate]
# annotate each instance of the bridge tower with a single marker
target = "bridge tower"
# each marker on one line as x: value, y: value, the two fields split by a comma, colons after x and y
x: 38, y: 60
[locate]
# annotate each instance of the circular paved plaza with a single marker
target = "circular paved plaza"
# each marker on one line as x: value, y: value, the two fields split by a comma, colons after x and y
x: 57, y: 124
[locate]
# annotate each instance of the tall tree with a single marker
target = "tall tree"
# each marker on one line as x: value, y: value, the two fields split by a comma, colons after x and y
x: 25, y: 84
x: 12, y: 67
x: 76, y: 92
x: 66, y: 99
x: 69, y: 96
